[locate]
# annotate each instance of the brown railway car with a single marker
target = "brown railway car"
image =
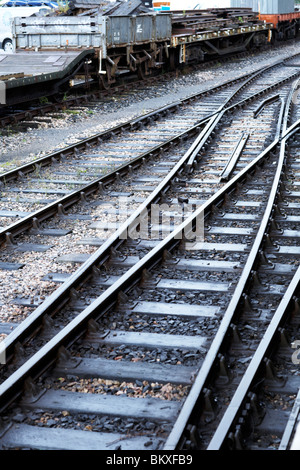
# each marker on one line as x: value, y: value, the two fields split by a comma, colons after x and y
x: 282, y: 14
x: 286, y: 25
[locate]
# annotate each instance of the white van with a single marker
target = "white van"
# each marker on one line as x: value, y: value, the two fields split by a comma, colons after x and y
x: 13, y: 8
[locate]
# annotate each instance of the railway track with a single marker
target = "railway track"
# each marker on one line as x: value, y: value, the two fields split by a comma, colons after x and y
x: 266, y: 396
x: 139, y: 327
x: 34, y: 113
x: 106, y: 155
x: 17, y: 252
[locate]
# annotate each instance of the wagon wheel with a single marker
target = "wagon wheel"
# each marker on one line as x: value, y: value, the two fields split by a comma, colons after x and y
x: 141, y: 71
x: 59, y: 97
x: 173, y: 62
x: 104, y: 83
x: 105, y: 79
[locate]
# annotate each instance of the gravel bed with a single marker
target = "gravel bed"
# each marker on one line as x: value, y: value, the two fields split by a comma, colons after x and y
x: 159, y: 324
x: 138, y: 354
x: 134, y: 389
x: 94, y: 423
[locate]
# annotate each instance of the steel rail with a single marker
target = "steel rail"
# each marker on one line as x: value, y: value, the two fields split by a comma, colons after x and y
x: 47, y: 355
x: 290, y: 131
x: 7, y: 233
x: 83, y: 144
x: 193, y: 399
x: 293, y: 422
x: 58, y: 298
x: 256, y: 365
x: 269, y: 340
x: 215, y: 119
x: 79, y: 99
x: 225, y: 173
x: 96, y: 185
x: 15, y: 118
x: 239, y: 397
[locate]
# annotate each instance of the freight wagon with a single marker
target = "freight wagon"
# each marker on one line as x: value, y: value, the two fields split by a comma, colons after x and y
x: 281, y: 13
x: 143, y: 43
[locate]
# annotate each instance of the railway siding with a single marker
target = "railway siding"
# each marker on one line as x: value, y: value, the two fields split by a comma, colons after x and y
x: 136, y: 322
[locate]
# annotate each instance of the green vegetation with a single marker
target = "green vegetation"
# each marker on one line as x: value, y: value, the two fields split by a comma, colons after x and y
x: 71, y: 111
x: 44, y: 100
x: 63, y: 6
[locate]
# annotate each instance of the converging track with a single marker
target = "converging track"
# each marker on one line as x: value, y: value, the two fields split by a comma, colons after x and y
x: 143, y: 338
